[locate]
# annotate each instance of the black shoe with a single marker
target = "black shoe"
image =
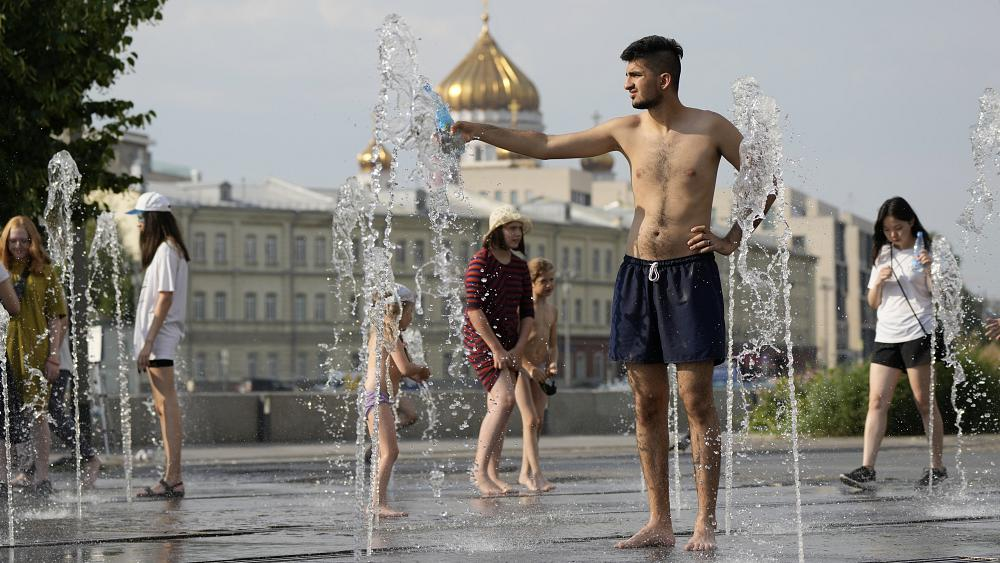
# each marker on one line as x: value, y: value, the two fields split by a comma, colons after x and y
x: 937, y: 475
x: 861, y: 478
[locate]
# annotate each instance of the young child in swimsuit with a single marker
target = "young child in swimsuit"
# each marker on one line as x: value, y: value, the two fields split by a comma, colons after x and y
x: 391, y: 357
x: 537, y: 365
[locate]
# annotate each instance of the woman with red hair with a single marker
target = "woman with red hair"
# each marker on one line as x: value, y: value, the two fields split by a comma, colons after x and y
x: 33, y: 337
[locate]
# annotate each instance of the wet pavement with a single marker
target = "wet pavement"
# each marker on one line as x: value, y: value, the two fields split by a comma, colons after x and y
x: 295, y: 503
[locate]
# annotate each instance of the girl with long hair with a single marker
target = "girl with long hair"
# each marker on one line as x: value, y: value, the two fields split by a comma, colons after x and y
x: 33, y: 339
x: 900, y: 290
x: 159, y: 326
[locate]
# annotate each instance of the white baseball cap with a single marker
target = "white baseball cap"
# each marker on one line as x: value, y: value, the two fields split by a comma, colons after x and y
x: 151, y: 201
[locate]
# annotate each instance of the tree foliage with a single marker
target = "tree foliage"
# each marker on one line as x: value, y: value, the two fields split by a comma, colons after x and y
x: 57, y: 60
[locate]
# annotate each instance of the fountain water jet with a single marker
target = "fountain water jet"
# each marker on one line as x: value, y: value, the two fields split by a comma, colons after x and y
x: 64, y: 183
x: 769, y: 319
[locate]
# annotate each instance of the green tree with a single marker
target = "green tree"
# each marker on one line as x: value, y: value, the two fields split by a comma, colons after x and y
x: 57, y: 59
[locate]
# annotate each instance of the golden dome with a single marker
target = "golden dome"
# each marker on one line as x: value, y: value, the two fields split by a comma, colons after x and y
x: 365, y: 158
x: 487, y: 79
x: 600, y: 163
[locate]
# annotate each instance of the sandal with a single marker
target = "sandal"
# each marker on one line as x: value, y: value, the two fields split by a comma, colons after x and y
x: 167, y: 492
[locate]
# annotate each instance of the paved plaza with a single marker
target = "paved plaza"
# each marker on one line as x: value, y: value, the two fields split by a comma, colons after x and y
x: 292, y: 503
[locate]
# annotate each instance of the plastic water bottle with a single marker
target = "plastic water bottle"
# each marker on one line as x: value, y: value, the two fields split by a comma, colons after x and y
x: 443, y: 122
x: 917, y: 249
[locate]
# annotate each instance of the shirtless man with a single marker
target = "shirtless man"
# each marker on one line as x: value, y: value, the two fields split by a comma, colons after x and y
x: 538, y: 364
x: 674, y: 153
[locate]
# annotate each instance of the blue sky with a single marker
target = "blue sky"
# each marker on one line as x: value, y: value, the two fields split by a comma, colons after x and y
x: 879, y: 97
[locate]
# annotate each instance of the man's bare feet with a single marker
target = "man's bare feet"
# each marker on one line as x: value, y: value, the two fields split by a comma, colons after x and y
x: 505, y: 487
x: 651, y: 535
x: 386, y: 512
x: 524, y: 480
x: 546, y: 485
x: 90, y: 470
x: 703, y: 538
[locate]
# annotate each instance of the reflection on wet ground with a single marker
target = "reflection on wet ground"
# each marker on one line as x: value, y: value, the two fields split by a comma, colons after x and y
x: 245, y: 505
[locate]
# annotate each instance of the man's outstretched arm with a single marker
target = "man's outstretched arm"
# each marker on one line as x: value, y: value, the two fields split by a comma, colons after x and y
x: 592, y: 142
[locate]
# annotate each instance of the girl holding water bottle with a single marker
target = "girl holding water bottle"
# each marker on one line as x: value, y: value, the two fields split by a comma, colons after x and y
x: 900, y: 290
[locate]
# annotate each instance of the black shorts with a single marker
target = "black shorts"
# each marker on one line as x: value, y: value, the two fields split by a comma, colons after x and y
x: 903, y: 355
x: 161, y: 363
x: 668, y: 312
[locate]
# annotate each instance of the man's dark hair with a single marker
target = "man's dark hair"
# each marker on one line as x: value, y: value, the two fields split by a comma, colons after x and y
x: 661, y: 55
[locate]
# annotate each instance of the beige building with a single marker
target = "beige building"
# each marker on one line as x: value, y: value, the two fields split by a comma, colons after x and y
x: 841, y: 243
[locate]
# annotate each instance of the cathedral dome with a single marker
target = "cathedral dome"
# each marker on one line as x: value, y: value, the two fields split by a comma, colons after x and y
x: 487, y: 80
x: 600, y: 163
x: 365, y: 158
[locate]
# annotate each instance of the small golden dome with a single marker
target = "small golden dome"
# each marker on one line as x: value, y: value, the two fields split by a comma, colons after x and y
x: 365, y: 158
x: 600, y: 163
x: 487, y: 79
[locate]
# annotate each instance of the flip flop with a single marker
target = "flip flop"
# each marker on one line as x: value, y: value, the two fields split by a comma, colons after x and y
x: 167, y: 492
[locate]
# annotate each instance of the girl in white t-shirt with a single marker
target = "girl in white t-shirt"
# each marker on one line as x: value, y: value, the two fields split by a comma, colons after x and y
x: 159, y: 326
x: 900, y: 290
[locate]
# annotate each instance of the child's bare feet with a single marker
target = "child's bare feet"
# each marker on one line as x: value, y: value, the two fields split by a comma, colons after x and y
x: 703, y: 538
x: 90, y: 469
x: 385, y: 512
x: 487, y: 488
x: 653, y: 534
x: 546, y: 485
x: 524, y: 479
x: 505, y: 487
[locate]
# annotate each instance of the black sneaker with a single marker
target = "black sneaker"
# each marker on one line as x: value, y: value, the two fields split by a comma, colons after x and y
x: 861, y: 478
x: 937, y: 475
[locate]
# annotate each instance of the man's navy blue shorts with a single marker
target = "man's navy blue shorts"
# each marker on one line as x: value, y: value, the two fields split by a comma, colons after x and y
x: 668, y: 312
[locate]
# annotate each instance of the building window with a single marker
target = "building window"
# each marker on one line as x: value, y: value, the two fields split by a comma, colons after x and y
x: 250, y: 307
x: 320, y: 363
x: 299, y: 311
x: 578, y: 260
x: 595, y: 312
x: 250, y: 250
x: 580, y: 365
x: 301, y: 359
x: 299, y: 251
x: 564, y: 263
x: 271, y: 307
x: 220, y: 248
x: 319, y: 249
x: 400, y: 256
x: 578, y: 311
x: 319, y: 307
x: 271, y: 250
x: 199, y: 365
x: 595, y: 264
x: 198, y: 248
x: 498, y: 195
x: 252, y: 365
x: 541, y: 250
x: 579, y: 197
x: 418, y: 252
x: 838, y: 241
x: 220, y: 306
x: 607, y: 263
x: 799, y: 243
x: 513, y: 197
x: 198, y: 306
x: 272, y: 365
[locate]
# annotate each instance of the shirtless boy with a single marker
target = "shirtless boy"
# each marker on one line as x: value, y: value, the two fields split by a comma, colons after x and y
x: 538, y: 364
x: 668, y: 305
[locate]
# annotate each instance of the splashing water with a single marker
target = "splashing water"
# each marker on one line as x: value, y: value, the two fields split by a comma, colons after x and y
x: 64, y: 183
x: 673, y: 421
x: 947, y: 299
x: 406, y: 116
x: 981, y: 208
x: 762, y: 266
x: 107, y: 272
x: 4, y: 321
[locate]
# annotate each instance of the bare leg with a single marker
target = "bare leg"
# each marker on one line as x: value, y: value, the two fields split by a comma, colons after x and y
x: 531, y: 424
x: 407, y: 411
x: 649, y: 386
x: 694, y: 384
x: 920, y: 383
x: 499, y: 404
x: 493, y: 466
x: 541, y: 401
x: 881, y: 384
x: 43, y: 445
x: 169, y: 411
x: 388, y: 452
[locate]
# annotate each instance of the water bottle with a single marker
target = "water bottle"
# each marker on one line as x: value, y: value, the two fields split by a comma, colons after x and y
x: 442, y: 119
x: 917, y: 249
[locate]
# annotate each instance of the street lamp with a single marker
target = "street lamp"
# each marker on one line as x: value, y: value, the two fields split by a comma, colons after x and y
x: 565, y: 285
